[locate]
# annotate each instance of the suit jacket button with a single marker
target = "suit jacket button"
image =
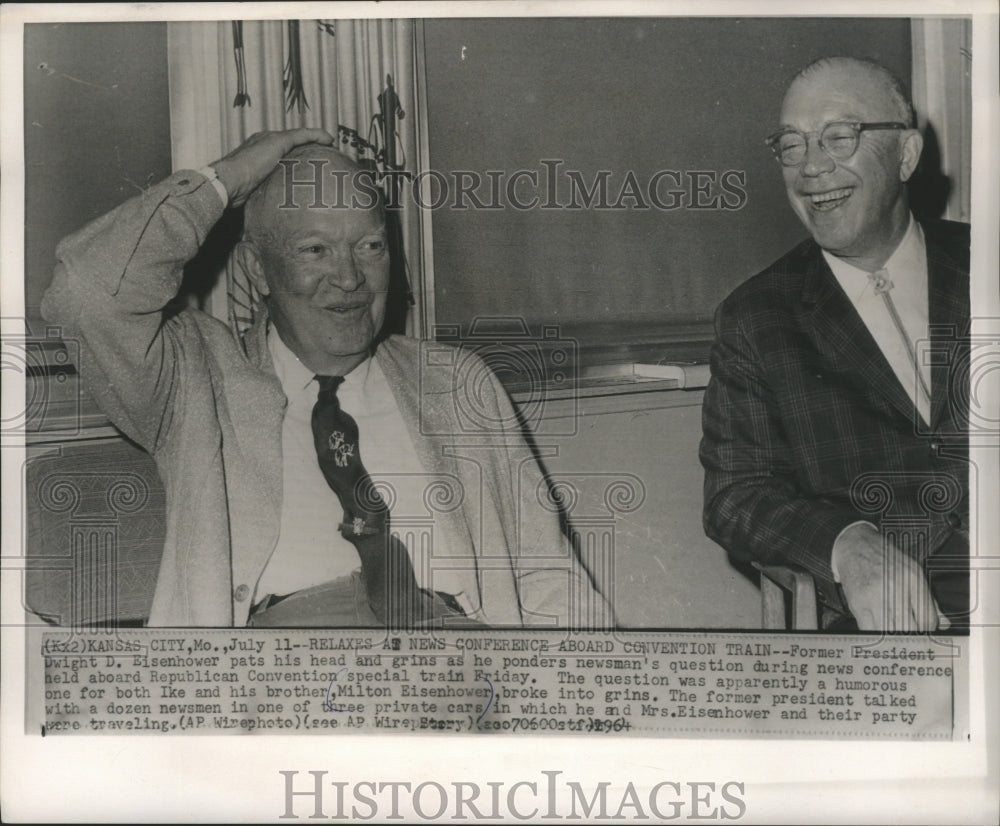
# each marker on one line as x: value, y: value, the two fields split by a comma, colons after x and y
x: 935, y: 447
x: 241, y: 593
x: 955, y: 520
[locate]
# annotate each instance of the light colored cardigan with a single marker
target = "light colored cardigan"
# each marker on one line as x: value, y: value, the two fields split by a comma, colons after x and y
x: 210, y: 409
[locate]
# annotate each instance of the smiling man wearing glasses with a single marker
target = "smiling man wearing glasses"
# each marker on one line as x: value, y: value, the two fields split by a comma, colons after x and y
x: 834, y: 420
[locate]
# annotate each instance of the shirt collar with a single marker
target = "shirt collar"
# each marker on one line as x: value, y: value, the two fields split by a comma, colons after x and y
x: 292, y: 373
x: 908, y: 256
x: 911, y: 253
x: 296, y: 377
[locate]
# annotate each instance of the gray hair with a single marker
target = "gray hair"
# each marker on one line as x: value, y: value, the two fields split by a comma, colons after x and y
x: 893, y: 85
x: 259, y: 207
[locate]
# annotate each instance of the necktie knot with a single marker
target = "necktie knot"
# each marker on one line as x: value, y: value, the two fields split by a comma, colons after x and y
x: 328, y: 386
x: 880, y: 281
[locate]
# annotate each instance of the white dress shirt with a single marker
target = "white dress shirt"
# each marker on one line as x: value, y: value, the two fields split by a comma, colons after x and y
x: 310, y: 548
x: 907, y: 268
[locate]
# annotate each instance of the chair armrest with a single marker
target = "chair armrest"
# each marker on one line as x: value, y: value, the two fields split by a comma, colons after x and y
x: 775, y: 580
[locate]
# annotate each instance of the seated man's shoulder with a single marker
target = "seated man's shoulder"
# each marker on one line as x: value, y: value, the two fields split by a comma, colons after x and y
x: 402, y: 346
x: 957, y: 230
x: 203, y: 332
x: 437, y: 366
x: 429, y: 352
x: 953, y: 237
x: 198, y: 321
x: 775, y: 287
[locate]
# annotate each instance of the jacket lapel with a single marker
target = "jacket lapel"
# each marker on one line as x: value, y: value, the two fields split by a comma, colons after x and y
x: 429, y: 397
x: 841, y: 336
x: 428, y: 394
x: 256, y: 410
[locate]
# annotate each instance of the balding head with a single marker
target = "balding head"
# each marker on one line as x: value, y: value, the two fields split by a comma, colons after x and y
x: 861, y: 72
x: 332, y: 179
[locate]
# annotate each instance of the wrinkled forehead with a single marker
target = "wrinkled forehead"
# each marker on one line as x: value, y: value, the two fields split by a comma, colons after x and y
x: 334, y: 223
x: 838, y: 92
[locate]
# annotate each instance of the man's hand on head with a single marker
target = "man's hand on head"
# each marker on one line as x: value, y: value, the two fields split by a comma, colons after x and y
x: 243, y: 169
x: 886, y: 589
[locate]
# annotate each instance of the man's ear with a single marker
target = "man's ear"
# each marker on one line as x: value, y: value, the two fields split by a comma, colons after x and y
x: 913, y: 145
x: 249, y: 259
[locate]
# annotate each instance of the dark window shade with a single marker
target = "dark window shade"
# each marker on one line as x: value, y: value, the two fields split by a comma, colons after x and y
x: 96, y: 131
x: 637, y: 95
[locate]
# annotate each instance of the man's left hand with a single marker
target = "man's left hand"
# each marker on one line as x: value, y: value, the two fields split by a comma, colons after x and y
x: 886, y: 589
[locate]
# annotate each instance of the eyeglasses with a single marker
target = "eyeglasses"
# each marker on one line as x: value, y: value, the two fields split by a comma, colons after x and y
x: 839, y: 140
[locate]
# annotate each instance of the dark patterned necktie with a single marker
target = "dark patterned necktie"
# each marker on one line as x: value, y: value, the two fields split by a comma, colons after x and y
x: 393, y: 593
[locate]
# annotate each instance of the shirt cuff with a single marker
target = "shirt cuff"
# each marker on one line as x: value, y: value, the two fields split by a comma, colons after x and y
x: 213, y: 179
x: 838, y: 544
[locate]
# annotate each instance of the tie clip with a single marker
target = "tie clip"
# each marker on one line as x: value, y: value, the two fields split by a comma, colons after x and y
x: 357, y: 527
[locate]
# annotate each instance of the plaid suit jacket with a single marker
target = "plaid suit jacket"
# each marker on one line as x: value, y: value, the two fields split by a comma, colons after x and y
x: 807, y: 429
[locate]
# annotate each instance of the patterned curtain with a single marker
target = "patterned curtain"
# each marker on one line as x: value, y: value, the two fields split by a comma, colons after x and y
x: 231, y: 79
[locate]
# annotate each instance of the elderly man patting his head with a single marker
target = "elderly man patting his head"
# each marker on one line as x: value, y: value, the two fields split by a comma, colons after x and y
x: 829, y: 443
x: 289, y: 453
